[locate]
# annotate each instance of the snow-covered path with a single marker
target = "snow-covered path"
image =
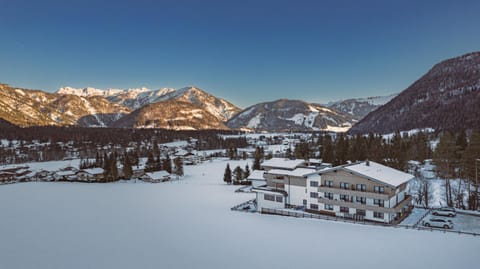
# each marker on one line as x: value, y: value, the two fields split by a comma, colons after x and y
x: 188, y: 224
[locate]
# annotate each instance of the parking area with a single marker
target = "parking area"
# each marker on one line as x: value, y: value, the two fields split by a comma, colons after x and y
x: 462, y: 222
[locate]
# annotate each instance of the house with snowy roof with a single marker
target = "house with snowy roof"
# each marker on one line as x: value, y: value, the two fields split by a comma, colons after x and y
x: 361, y: 191
x: 156, y: 177
x: 90, y: 175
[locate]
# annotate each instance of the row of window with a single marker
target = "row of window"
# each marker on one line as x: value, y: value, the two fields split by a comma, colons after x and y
x: 273, y: 198
x: 346, y: 198
x: 346, y: 186
x: 344, y: 209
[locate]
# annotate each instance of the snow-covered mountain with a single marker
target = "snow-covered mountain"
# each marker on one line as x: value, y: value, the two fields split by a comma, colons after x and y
x: 291, y: 115
x: 137, y: 98
x: 446, y: 98
x: 24, y: 107
x: 171, y: 114
x: 360, y: 107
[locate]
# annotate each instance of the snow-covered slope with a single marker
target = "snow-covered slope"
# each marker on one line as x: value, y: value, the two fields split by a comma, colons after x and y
x: 137, y: 225
x: 171, y: 114
x: 286, y: 115
x: 32, y: 107
x: 137, y: 98
x: 360, y: 107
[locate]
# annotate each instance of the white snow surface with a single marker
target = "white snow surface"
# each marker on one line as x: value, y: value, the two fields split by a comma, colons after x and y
x: 381, y: 173
x: 189, y: 224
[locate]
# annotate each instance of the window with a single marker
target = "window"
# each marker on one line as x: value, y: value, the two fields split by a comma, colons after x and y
x: 378, y: 202
x: 313, y: 194
x: 328, y: 207
x: 279, y: 199
x: 344, y: 197
x: 344, y: 209
x: 344, y: 185
x: 361, y: 200
x: 269, y: 197
x: 329, y: 183
x: 313, y: 183
x: 279, y: 177
x: 379, y: 189
x: 304, y: 202
x: 378, y: 215
x: 328, y: 195
x: 361, y: 212
x: 361, y: 187
x: 314, y: 206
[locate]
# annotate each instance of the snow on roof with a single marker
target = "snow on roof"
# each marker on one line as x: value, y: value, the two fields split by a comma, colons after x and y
x: 256, y: 175
x: 65, y: 173
x: 282, y: 163
x: 93, y: 171
x: 298, y: 172
x: 158, y: 174
x: 380, y: 173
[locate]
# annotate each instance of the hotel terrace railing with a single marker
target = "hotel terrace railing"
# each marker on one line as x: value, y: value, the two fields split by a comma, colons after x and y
x: 367, y: 194
x: 398, y: 208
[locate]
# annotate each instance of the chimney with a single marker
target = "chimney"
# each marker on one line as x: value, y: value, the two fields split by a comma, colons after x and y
x: 367, y: 162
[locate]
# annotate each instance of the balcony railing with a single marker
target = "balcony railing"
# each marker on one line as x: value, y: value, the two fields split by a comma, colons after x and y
x: 398, y: 208
x: 336, y: 190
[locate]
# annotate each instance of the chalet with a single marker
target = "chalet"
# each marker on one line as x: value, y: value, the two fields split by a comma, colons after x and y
x: 156, y: 177
x: 364, y: 190
x: 90, y: 175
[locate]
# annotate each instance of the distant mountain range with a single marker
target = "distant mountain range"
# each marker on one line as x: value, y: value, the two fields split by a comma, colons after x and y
x: 291, y: 115
x: 358, y: 108
x: 446, y: 98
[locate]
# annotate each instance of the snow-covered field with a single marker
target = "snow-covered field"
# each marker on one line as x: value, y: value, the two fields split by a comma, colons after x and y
x: 188, y: 224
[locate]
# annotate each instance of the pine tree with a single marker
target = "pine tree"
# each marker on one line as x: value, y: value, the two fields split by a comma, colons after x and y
x: 127, y: 167
x: 151, y: 165
x: 178, y: 166
x: 227, y: 176
x: 167, y: 164
x: 238, y: 172
x: 444, y: 159
x: 470, y: 165
x: 247, y: 171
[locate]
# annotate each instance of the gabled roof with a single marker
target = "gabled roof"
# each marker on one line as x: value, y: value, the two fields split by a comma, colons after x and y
x: 297, y: 172
x: 256, y: 175
x: 282, y: 163
x: 158, y: 174
x: 375, y: 171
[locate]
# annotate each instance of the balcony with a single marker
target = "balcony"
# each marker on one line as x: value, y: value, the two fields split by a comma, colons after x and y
x: 335, y: 190
x: 398, y: 208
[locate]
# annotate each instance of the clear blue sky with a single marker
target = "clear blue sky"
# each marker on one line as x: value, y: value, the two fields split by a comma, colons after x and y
x: 244, y: 51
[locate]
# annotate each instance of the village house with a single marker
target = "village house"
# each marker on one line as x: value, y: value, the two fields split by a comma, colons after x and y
x: 90, y: 175
x: 361, y: 191
x: 156, y: 177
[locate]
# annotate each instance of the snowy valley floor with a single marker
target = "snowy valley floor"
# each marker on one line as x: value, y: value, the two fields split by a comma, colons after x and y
x: 189, y: 224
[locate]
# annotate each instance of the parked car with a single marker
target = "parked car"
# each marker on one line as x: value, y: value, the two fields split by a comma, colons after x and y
x: 444, y: 211
x: 438, y: 222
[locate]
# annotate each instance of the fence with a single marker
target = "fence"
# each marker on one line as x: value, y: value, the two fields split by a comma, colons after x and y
x: 341, y: 219
x: 241, y: 207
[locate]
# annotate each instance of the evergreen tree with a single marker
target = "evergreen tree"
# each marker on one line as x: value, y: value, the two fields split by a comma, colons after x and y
x: 444, y: 159
x: 227, y: 176
x: 167, y: 164
x: 178, y: 166
x: 238, y: 172
x: 470, y: 166
x: 127, y: 167
x: 151, y: 165
x: 247, y: 171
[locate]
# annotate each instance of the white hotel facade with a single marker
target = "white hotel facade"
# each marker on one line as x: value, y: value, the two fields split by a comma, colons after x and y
x: 362, y: 191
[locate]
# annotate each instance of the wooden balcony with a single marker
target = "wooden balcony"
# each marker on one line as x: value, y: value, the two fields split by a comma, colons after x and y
x: 372, y: 195
x: 398, y: 208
